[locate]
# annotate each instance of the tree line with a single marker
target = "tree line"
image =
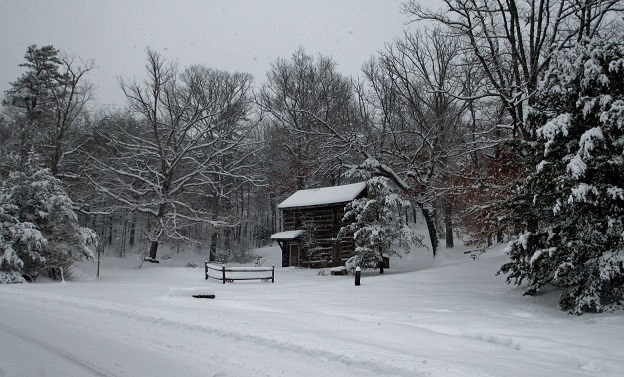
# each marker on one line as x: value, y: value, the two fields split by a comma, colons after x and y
x: 455, y: 116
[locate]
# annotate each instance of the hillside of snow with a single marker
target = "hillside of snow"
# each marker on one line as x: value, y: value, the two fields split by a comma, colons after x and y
x: 448, y: 317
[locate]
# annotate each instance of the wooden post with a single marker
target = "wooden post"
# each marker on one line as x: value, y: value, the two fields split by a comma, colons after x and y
x: 206, y: 269
x: 273, y: 274
x: 99, y: 251
x: 223, y: 268
x: 358, y: 274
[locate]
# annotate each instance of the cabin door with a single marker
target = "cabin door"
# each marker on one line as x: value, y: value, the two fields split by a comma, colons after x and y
x: 294, y: 254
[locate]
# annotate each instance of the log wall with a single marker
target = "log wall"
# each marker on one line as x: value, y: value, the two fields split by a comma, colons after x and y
x: 323, y: 248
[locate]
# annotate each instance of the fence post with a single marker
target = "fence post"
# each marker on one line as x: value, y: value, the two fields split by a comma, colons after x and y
x: 358, y: 274
x: 223, y: 268
x: 206, y: 269
x: 273, y: 274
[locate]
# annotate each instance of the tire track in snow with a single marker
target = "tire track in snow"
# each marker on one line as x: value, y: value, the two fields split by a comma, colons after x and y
x: 67, y: 356
x: 378, y: 366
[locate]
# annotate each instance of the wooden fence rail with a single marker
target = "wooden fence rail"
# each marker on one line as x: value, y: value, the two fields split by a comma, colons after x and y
x: 230, y: 274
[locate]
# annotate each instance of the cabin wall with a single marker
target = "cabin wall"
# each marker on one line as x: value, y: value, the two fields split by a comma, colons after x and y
x: 321, y: 248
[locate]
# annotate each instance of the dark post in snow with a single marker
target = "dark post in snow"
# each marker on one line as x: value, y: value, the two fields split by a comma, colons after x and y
x: 99, y: 253
x: 358, y: 274
x: 206, y: 269
x: 223, y: 267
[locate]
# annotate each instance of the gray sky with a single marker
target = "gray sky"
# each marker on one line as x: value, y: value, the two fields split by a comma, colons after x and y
x: 234, y: 35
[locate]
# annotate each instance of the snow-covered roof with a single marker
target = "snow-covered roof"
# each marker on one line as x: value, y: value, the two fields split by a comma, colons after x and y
x: 323, y: 195
x: 288, y: 235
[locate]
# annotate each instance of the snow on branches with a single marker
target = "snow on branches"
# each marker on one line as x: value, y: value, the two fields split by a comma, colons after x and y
x: 378, y: 224
x: 577, y: 188
x: 38, y: 226
x: 18, y: 240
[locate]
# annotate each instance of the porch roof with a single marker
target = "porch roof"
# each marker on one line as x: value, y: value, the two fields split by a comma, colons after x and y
x: 287, y: 235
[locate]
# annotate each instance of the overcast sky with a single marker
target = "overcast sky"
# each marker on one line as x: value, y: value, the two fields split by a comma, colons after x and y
x: 234, y: 35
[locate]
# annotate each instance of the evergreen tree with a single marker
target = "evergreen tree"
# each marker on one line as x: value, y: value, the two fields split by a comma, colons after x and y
x: 47, y: 106
x: 378, y: 224
x: 38, y: 227
x: 576, y: 190
x: 18, y: 241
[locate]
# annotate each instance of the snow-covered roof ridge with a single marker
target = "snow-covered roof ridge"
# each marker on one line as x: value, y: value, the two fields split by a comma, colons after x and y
x: 323, y: 196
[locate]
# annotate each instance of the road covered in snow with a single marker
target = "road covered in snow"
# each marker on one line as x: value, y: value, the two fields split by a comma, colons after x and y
x: 452, y: 317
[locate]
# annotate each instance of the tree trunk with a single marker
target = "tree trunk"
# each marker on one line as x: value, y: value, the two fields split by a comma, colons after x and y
x: 448, y: 223
x: 153, y: 249
x: 124, y: 232
x: 427, y: 212
x: 156, y: 224
x: 213, y: 248
x: 274, y: 216
x: 56, y: 159
x: 227, y: 241
x: 110, y: 230
x: 132, y: 230
x: 499, y: 236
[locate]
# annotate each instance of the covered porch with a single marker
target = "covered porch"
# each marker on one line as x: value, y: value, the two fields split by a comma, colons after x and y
x: 290, y: 243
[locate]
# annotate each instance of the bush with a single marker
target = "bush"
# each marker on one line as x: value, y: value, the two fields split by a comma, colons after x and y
x: 11, y: 277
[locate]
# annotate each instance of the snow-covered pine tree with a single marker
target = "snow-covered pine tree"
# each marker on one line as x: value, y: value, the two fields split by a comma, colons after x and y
x: 577, y: 187
x: 378, y: 224
x: 18, y: 241
x: 38, y: 226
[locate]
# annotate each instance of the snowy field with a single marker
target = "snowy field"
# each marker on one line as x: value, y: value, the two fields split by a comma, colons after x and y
x: 450, y: 318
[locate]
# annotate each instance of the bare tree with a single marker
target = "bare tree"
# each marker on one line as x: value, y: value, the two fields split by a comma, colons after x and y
x: 423, y: 126
x: 190, y: 148
x: 414, y: 114
x: 298, y: 93
x: 513, y: 41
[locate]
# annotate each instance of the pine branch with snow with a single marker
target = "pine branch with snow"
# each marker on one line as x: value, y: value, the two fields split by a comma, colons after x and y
x: 576, y: 187
x: 38, y: 226
x: 378, y: 224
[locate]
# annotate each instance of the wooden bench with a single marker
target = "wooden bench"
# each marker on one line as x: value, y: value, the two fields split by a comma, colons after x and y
x: 231, y: 274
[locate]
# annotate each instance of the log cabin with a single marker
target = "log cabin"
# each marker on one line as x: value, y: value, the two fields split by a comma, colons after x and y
x: 311, y: 221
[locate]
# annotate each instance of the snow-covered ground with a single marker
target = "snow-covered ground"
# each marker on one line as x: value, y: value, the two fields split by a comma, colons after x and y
x: 452, y: 317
